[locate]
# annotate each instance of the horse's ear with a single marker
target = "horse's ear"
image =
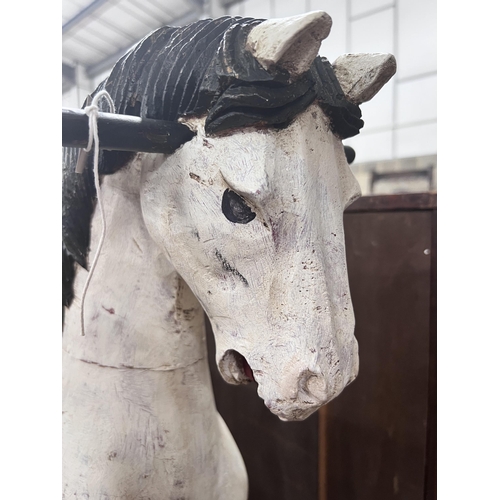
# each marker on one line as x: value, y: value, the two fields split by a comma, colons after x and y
x: 361, y: 76
x: 291, y: 43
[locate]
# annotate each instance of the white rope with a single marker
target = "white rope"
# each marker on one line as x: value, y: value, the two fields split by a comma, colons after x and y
x: 92, y: 112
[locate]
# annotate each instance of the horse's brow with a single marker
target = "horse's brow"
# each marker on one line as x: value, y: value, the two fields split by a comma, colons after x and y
x: 244, y: 189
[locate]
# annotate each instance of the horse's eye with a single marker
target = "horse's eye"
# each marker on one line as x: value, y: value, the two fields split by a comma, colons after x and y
x: 235, y: 209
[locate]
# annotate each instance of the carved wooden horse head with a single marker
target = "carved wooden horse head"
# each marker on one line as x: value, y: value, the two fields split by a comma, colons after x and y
x: 249, y: 212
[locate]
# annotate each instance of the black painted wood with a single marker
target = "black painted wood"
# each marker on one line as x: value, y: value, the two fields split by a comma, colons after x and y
x: 124, y: 132
x: 235, y: 209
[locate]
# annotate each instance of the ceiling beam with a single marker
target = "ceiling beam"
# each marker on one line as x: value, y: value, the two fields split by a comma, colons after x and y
x: 199, y: 4
x: 82, y: 15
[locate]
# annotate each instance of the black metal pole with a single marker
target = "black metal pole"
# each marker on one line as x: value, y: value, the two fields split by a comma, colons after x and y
x: 124, y: 132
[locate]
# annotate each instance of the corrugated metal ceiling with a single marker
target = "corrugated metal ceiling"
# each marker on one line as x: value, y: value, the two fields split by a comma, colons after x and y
x: 96, y: 33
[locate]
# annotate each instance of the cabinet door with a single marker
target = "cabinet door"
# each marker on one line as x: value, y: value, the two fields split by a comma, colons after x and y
x: 373, y: 437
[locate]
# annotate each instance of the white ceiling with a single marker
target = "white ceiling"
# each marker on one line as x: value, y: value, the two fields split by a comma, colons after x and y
x: 96, y: 33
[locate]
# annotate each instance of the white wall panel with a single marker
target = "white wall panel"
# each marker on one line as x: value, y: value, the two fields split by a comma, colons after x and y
x: 236, y: 9
x: 371, y: 147
x: 362, y: 6
x: 284, y: 8
x: 416, y: 100
x: 100, y: 77
x: 336, y: 43
x: 71, y: 99
x: 373, y: 33
x: 419, y: 140
x: 260, y: 9
x: 417, y: 34
x: 379, y: 111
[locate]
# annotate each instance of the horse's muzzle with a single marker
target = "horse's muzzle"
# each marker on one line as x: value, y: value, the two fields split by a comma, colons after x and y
x: 308, y: 395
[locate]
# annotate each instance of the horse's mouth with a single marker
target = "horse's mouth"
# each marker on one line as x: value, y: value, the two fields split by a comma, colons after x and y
x: 248, y: 370
x: 293, y: 414
x: 235, y: 368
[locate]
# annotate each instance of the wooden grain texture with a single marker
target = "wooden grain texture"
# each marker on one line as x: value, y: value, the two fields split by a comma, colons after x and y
x: 377, y: 429
x: 431, y: 459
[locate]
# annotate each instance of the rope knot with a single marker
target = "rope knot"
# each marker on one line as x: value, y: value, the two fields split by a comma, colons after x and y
x: 91, y: 109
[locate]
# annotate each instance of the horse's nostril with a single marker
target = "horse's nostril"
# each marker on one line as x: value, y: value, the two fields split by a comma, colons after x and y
x: 314, y: 385
x: 235, y: 368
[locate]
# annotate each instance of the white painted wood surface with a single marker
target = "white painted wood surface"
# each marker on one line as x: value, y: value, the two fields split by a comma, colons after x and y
x: 291, y: 43
x: 139, y: 417
x: 361, y: 76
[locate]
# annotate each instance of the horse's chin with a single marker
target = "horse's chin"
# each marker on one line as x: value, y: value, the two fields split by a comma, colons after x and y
x: 294, y: 414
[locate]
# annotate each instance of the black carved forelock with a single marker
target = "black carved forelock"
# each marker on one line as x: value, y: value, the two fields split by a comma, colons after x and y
x: 199, y: 69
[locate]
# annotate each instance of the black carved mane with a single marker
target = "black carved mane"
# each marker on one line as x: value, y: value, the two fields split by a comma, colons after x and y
x: 195, y: 70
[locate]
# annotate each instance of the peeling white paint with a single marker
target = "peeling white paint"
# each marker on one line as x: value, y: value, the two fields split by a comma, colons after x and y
x: 291, y: 43
x: 361, y: 76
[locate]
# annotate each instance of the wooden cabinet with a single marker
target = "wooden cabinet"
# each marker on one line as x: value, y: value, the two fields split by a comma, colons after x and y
x: 377, y: 440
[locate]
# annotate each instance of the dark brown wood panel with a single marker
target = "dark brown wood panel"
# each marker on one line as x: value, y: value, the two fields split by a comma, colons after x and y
x: 376, y: 431
x: 431, y: 459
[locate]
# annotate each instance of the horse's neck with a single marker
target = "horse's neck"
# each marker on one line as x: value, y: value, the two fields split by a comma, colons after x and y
x: 138, y: 311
